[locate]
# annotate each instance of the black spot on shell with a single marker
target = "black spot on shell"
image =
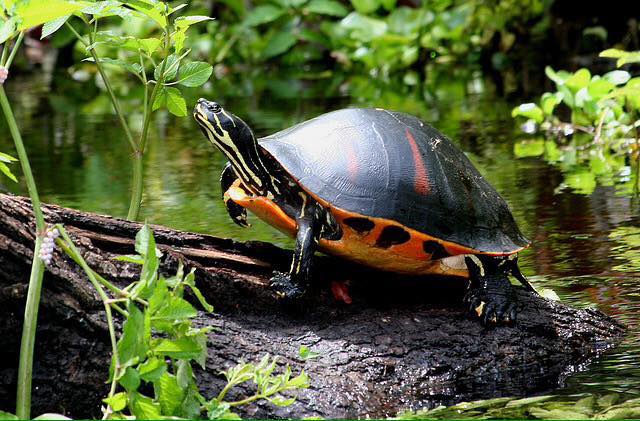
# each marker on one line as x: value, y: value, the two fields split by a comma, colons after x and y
x: 391, y: 236
x: 435, y: 249
x: 360, y: 225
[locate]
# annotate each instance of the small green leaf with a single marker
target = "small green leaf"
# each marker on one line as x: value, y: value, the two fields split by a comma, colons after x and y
x: 529, y: 148
x: 195, y: 74
x: 155, y: 10
x: 131, y: 258
x: 170, y: 394
x: 152, y: 369
x: 579, y: 80
x: 170, y: 69
x: 4, y: 169
x: 134, y: 68
x: 132, y: 346
x: 528, y: 110
x: 117, y: 402
x: 263, y: 14
x: 280, y: 401
x: 183, y: 348
x: 172, y: 99
x: 306, y: 354
x: 130, y: 380
x: 366, y: 6
x: 617, y: 77
x: 52, y: 26
x: 176, y: 309
x: 548, y: 102
x: 7, y: 29
x: 559, y: 78
x: 279, y: 43
x: 149, y: 45
x: 145, y: 408
x: 327, y: 7
x: 7, y: 158
x: 184, y: 22
x: 599, y: 87
x: 549, y: 294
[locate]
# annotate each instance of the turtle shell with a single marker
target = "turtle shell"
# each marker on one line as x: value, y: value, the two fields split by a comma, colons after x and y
x: 390, y: 165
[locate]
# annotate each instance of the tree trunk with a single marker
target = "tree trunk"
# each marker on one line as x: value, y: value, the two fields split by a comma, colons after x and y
x: 402, y: 344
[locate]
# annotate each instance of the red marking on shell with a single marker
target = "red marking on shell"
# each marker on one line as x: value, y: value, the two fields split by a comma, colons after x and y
x: 421, y: 183
x: 352, y: 162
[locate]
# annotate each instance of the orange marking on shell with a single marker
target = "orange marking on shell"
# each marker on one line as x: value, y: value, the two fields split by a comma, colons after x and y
x: 421, y: 183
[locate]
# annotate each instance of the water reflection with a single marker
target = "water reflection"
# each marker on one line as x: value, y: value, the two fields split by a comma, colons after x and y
x: 586, y: 247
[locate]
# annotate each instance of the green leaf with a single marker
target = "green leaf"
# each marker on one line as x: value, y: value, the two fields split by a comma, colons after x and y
x: 37, y: 12
x: 170, y: 69
x: 7, y: 29
x: 4, y: 169
x: 176, y: 309
x: 152, y: 369
x: 146, y: 247
x: 134, y: 68
x: 132, y: 346
x: 613, y: 53
x: 7, y: 158
x: 279, y: 43
x: 599, y: 87
x: 280, y: 401
x: 178, y: 40
x: 184, y: 22
x: 191, y: 283
x: 183, y: 348
x: 529, y: 148
x: 528, y: 110
x: 172, y: 99
x: 548, y: 102
x: 549, y: 294
x: 306, y: 354
x: 559, y: 78
x: 185, y: 374
x: 327, y: 7
x: 149, y: 45
x: 130, y: 380
x: 263, y: 14
x: 170, y: 394
x: 195, y: 74
x: 578, y: 80
x: 366, y: 6
x: 52, y: 26
x: 117, y: 402
x: 155, y: 10
x: 145, y: 408
x: 7, y: 416
x: 624, y: 57
x: 617, y: 77
x: 131, y: 258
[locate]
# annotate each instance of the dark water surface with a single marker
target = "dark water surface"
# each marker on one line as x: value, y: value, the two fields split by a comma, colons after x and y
x: 585, y: 247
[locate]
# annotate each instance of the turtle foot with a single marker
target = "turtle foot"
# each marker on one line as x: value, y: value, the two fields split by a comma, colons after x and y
x: 285, y: 287
x: 494, y: 304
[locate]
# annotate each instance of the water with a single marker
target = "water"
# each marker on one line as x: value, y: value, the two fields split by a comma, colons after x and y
x: 585, y: 247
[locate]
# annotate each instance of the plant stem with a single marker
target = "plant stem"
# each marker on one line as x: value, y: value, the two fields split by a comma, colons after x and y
x: 25, y: 368
x: 107, y: 308
x: 136, y: 186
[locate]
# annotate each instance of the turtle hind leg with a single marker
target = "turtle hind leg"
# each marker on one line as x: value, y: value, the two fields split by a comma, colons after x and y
x: 237, y: 213
x: 491, y: 296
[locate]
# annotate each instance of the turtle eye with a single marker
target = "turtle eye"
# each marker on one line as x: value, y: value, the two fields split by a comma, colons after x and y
x: 215, y: 107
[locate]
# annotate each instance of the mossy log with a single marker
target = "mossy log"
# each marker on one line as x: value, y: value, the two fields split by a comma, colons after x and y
x: 402, y: 344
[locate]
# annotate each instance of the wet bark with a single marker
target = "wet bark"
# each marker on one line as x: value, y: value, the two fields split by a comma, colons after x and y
x: 402, y: 344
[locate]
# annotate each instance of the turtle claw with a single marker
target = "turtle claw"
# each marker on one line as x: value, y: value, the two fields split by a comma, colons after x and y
x: 285, y: 287
x: 492, y: 306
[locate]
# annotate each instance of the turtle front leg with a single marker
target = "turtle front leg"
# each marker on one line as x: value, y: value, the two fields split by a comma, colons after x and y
x: 293, y: 285
x: 490, y: 294
x: 237, y: 213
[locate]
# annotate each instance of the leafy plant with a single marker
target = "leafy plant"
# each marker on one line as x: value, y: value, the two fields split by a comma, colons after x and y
x: 159, y: 344
x: 4, y: 168
x: 596, y: 120
x: 158, y: 62
x: 537, y: 407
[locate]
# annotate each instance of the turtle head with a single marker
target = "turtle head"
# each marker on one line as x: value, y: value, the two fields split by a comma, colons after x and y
x: 235, y: 139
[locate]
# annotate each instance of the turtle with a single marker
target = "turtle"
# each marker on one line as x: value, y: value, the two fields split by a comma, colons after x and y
x: 378, y: 187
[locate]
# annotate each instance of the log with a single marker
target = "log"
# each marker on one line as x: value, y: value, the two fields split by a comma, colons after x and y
x: 402, y: 344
